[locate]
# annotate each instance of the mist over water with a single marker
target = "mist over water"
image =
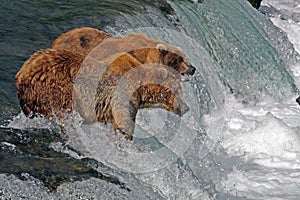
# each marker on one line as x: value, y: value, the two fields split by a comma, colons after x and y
x: 238, y: 141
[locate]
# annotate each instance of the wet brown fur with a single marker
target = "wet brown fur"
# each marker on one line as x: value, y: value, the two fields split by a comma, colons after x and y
x: 80, y: 40
x: 44, y: 83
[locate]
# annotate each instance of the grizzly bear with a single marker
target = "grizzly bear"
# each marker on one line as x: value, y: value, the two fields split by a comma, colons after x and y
x: 47, y: 83
x: 83, y: 40
x: 80, y: 40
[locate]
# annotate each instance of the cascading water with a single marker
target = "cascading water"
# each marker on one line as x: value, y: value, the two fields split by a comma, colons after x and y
x: 238, y: 141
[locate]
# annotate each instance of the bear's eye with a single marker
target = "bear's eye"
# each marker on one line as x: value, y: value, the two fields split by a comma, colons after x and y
x: 180, y: 59
x: 173, y: 62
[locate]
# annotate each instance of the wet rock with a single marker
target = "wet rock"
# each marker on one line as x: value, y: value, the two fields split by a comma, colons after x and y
x: 28, y: 151
x: 255, y: 3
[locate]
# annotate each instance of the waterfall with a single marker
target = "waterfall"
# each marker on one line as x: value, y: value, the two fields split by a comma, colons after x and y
x: 239, y: 140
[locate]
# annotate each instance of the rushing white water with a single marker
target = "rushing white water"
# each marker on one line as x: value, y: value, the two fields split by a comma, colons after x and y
x: 241, y: 138
x: 267, y: 136
x: 286, y: 16
x: 262, y: 134
x: 258, y: 126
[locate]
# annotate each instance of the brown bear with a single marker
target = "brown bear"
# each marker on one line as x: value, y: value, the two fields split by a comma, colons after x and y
x: 83, y: 40
x: 48, y: 80
x: 80, y: 40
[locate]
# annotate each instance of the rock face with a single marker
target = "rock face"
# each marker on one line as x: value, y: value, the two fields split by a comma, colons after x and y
x: 255, y: 3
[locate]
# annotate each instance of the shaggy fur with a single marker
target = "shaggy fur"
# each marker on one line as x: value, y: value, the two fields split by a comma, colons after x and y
x: 80, y: 40
x: 44, y: 83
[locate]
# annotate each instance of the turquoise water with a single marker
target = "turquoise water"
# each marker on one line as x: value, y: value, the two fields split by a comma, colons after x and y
x: 235, y: 49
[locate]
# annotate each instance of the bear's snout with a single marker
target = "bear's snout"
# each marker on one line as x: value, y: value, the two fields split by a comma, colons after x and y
x: 298, y: 100
x: 187, y: 68
x: 192, y: 69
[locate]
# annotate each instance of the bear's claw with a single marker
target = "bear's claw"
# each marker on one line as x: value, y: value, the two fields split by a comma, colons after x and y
x: 127, y: 136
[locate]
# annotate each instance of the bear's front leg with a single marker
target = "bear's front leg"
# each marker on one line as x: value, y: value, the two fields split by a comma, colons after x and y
x: 124, y: 118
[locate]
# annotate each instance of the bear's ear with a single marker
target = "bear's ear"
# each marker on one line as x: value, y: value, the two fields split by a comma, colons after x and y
x: 161, y: 47
x: 162, y: 73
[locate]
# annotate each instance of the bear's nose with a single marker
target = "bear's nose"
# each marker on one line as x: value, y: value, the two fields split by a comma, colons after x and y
x: 192, y: 69
x: 298, y: 100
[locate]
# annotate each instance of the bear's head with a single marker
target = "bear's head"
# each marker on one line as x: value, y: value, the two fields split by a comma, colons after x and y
x: 157, y: 95
x: 80, y: 40
x: 167, y: 55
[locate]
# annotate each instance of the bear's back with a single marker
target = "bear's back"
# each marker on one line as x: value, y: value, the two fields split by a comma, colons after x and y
x: 80, y: 40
